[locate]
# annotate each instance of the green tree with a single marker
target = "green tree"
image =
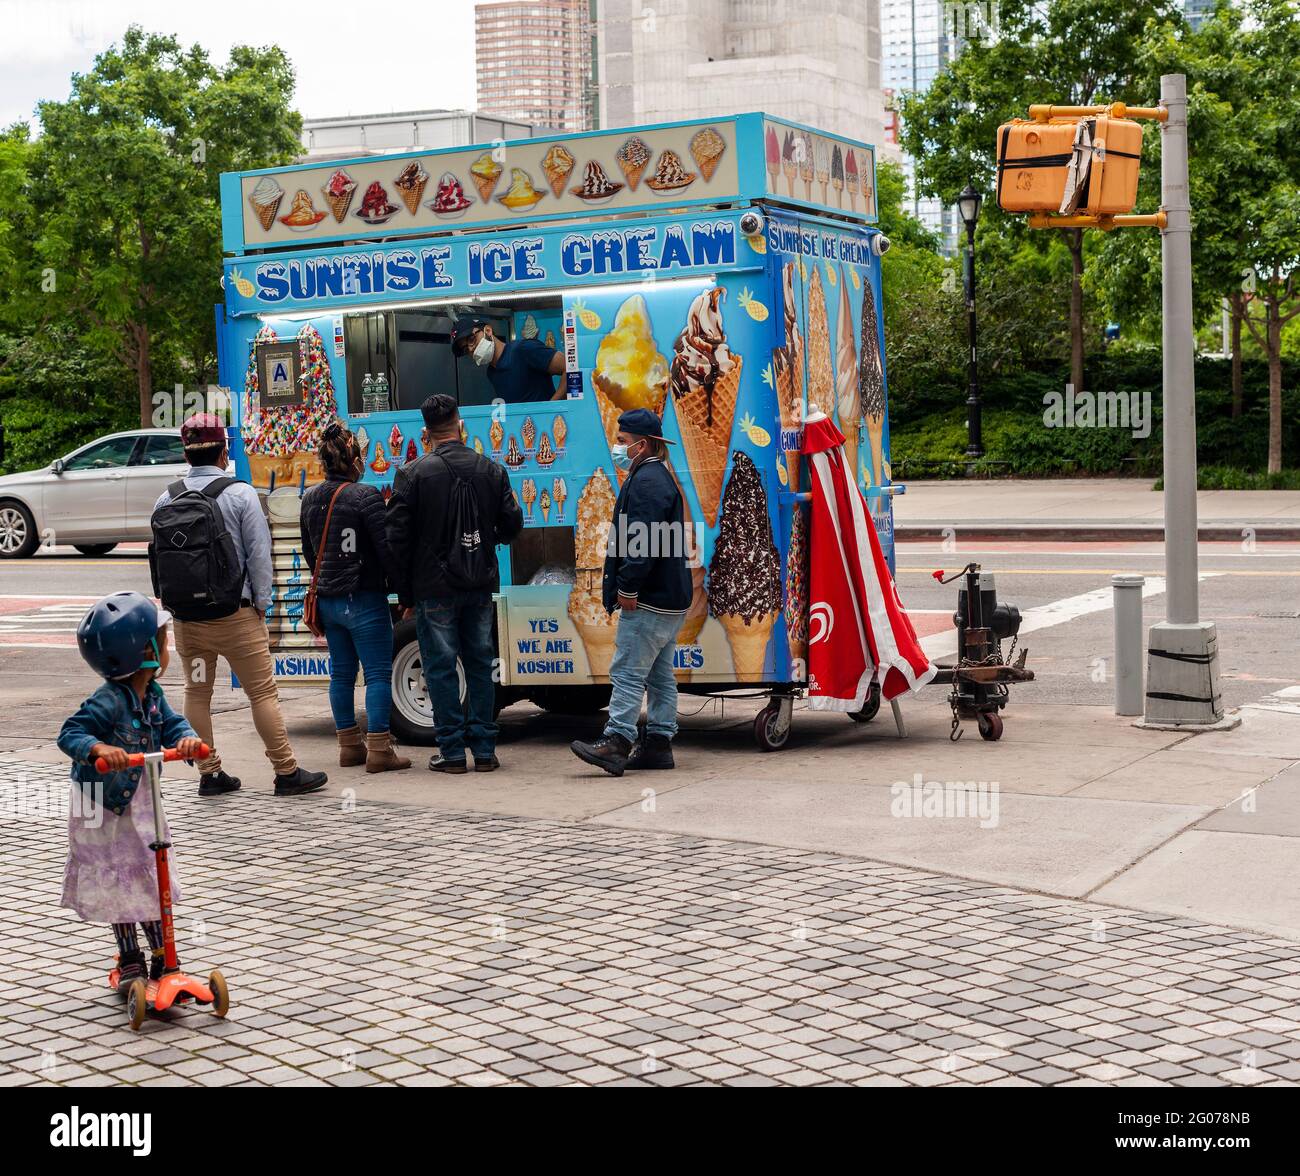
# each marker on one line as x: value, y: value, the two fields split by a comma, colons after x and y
x: 126, y: 175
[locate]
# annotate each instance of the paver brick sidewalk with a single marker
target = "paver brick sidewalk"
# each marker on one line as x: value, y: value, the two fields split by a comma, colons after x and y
x: 367, y: 943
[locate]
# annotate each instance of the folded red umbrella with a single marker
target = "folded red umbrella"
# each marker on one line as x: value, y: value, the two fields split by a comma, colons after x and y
x: 857, y: 627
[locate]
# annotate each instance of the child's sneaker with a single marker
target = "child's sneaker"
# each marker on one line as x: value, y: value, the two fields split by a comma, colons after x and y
x: 130, y: 966
x: 157, y: 964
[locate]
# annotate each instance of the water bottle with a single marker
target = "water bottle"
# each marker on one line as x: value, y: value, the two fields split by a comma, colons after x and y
x: 368, y: 393
x: 381, y: 393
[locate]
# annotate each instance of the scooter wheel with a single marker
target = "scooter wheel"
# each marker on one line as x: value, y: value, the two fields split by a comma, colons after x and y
x: 991, y: 726
x: 137, y: 1003
x: 220, y: 993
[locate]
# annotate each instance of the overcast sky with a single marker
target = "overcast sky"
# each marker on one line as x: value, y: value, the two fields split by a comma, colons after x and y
x: 350, y: 56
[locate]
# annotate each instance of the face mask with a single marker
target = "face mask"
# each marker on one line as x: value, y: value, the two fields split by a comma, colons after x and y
x: 483, y: 352
x: 621, y: 457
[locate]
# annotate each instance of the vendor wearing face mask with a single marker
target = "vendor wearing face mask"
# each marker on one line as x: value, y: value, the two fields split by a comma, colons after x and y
x: 519, y: 371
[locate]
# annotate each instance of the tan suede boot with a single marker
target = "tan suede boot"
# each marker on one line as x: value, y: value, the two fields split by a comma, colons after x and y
x: 381, y: 755
x: 352, y: 748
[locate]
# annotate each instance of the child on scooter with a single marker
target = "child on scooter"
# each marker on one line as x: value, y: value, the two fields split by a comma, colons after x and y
x: 111, y: 876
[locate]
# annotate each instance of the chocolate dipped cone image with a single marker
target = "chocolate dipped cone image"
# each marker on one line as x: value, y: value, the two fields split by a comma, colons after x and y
x: 848, y: 401
x: 787, y: 369
x: 595, y: 626
x: 745, y: 573
x: 705, y: 383
x: 871, y: 386
x: 630, y: 372
x: 796, y: 595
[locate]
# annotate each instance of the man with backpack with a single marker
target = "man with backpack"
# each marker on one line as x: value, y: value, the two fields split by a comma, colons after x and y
x: 449, y: 509
x: 211, y: 565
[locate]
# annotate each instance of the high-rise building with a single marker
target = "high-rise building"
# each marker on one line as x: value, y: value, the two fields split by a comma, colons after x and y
x: 534, y: 62
x: 812, y: 61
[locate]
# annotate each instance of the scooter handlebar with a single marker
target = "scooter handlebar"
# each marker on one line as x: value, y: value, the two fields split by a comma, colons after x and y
x: 137, y: 759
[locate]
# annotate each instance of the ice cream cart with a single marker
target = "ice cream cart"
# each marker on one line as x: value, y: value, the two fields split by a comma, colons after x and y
x: 724, y: 273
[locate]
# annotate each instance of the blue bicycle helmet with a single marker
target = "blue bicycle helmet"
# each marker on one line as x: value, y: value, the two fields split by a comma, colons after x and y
x: 116, y: 635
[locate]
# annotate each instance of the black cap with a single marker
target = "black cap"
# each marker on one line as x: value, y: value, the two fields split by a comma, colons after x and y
x: 461, y: 332
x: 641, y: 422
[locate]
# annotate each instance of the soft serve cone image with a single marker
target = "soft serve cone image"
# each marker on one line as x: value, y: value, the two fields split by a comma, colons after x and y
x: 630, y: 372
x: 821, y: 381
x: 806, y: 166
x: 705, y: 384
x: 595, y: 626
x: 745, y: 572
x: 265, y: 200
x: 796, y: 595
x: 871, y: 386
x: 787, y: 369
x: 848, y: 402
x: 823, y: 164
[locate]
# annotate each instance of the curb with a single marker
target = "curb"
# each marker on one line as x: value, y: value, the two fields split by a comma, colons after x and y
x: 1088, y: 532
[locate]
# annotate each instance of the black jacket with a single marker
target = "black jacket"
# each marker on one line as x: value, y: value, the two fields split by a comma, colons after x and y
x: 356, y: 557
x: 419, y: 524
x: 648, y: 543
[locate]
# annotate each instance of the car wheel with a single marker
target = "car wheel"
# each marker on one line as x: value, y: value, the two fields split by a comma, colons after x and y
x: 94, y: 548
x: 18, y: 537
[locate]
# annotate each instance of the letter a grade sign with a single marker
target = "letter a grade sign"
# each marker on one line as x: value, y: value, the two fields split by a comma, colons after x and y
x: 278, y: 375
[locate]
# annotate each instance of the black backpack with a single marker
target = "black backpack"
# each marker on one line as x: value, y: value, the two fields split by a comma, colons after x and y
x: 195, y: 567
x: 468, y: 562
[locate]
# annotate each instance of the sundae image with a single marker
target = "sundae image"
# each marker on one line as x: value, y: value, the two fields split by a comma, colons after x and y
x: 632, y: 158
x: 560, y: 431
x: 514, y: 457
x: 851, y: 178
x: 339, y: 192
x: 871, y: 387
x: 796, y: 594
x: 303, y: 214
x: 411, y: 452
x: 822, y: 162
x: 497, y: 435
x: 545, y: 453
x: 410, y: 183
x: 745, y: 572
x: 528, y: 492
x: 630, y: 372
x: 558, y: 165
x: 706, y: 149
x: 545, y: 503
x: 265, y: 199
x: 669, y: 175
x: 521, y: 195
x: 821, y: 383
x: 848, y: 402
x: 787, y: 368
x: 376, y: 208
x: 837, y: 176
x: 529, y: 432
x: 450, y: 199
x: 395, y: 443
x: 705, y: 383
x: 560, y: 492
x: 485, y: 171
x: 590, y: 541
x: 789, y: 164
x: 773, y: 152
x: 596, y: 186
x: 380, y: 463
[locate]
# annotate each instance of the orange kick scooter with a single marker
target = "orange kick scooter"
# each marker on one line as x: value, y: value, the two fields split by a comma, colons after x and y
x: 173, y: 987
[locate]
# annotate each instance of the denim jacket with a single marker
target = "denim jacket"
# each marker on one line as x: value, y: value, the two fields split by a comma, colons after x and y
x: 115, y: 715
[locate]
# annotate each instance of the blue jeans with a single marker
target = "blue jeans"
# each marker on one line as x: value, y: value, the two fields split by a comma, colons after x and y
x: 451, y: 627
x: 359, y: 629
x: 643, y: 666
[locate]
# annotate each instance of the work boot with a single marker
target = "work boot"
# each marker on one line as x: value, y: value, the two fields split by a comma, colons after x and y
x: 130, y: 966
x: 352, y: 748
x: 610, y: 752
x: 381, y: 755
x: 651, y: 753
x: 450, y: 767
x: 217, y: 784
x: 299, y: 782
x: 486, y: 765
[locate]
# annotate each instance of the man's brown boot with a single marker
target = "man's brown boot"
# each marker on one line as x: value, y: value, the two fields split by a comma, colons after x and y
x: 352, y: 748
x: 381, y: 756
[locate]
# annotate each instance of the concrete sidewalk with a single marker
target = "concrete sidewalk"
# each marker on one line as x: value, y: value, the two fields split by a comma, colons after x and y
x: 1081, y: 508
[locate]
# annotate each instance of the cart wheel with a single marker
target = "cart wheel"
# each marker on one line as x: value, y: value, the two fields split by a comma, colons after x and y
x: 869, y: 708
x: 766, y: 732
x: 220, y: 993
x: 137, y: 1003
x: 990, y: 726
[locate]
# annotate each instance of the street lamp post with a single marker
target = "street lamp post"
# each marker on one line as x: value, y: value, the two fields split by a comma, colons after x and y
x: 968, y: 203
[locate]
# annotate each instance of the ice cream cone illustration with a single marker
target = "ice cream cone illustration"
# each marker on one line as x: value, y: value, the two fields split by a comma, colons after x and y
x: 630, y: 372
x: 528, y: 431
x: 806, y: 166
x: 595, y: 626
x: 744, y: 580
x: 339, y: 191
x: 837, y: 176
x: 705, y: 384
x: 528, y: 493
x: 796, y: 595
x: 789, y: 164
x: 497, y: 436
x: 871, y: 385
x: 851, y: 178
x: 633, y: 157
x: 787, y: 369
x: 706, y: 149
x: 485, y: 171
x: 848, y: 401
x: 558, y: 165
x: 265, y: 200
x: 772, y: 150
x: 559, y: 430
x: 411, y: 183
x: 545, y: 503
x: 822, y: 160
x: 560, y: 493
x: 821, y: 383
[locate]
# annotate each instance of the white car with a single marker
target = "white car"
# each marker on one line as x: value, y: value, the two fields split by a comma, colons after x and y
x: 94, y: 498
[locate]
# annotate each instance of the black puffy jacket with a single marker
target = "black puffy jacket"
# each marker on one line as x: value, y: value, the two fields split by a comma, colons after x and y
x: 355, y: 557
x: 648, y: 543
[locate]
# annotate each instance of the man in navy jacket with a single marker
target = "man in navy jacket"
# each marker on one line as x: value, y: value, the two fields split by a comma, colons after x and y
x: 647, y: 580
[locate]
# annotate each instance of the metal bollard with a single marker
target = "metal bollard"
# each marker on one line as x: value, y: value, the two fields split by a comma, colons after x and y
x: 1129, y: 698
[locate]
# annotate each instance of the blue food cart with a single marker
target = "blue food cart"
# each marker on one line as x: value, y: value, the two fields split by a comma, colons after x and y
x: 724, y: 273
